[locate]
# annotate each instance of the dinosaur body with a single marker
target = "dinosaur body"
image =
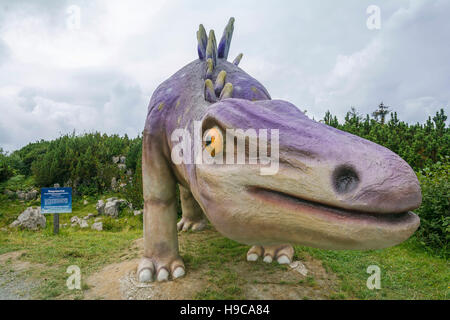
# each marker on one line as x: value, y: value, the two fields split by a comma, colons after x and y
x: 331, y: 189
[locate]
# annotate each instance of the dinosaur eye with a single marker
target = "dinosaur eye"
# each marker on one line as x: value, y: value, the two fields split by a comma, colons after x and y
x: 213, y: 141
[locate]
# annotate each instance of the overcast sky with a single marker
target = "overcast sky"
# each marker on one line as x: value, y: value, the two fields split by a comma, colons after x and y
x: 57, y: 75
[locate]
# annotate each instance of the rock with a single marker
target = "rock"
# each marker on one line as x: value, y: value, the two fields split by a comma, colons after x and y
x: 100, y: 206
x: 9, y: 193
x: 122, y: 166
x: 115, y: 159
x: 123, y: 159
x: 31, y: 219
x: 85, y: 202
x: 112, y: 208
x: 3, y: 229
x: 31, y: 195
x: 27, y: 196
x: 90, y: 215
x: 137, y: 212
x: 83, y: 224
x: 20, y: 195
x: 129, y: 172
x: 299, y: 267
x: 97, y: 226
x: 97, y: 219
x: 113, y: 183
x: 74, y: 219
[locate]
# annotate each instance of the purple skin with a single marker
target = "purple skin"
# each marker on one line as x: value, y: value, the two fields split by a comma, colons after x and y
x: 333, y: 190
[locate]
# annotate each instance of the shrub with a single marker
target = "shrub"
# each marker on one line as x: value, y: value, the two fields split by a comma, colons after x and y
x: 434, y: 212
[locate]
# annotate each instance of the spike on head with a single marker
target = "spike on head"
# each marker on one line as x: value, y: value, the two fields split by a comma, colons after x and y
x: 225, y: 42
x: 227, y: 91
x: 202, y: 42
x: 209, y: 91
x: 211, y: 48
x: 237, y: 60
x: 220, y: 82
x: 209, y: 68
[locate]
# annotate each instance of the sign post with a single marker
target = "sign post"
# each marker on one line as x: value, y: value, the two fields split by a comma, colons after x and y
x: 55, y: 201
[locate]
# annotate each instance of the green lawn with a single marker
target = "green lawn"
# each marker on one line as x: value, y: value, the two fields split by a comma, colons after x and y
x: 407, y: 271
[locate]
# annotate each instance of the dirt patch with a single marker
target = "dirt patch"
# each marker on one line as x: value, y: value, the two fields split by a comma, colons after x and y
x: 254, y: 280
x: 16, y: 282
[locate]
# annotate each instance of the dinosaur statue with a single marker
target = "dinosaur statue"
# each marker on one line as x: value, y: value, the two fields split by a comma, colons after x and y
x: 332, y: 190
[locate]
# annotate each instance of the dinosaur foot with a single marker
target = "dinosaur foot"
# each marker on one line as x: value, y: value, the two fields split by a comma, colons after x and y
x: 149, y: 269
x: 186, y: 224
x: 282, y: 253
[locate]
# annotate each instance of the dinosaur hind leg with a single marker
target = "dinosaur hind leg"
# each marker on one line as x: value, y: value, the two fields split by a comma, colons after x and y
x: 193, y: 217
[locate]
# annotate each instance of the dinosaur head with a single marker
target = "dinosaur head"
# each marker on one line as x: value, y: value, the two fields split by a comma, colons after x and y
x: 331, y: 189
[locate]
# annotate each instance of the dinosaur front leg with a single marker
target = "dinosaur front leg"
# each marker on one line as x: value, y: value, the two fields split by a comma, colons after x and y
x: 282, y: 253
x: 193, y: 217
x: 161, y: 257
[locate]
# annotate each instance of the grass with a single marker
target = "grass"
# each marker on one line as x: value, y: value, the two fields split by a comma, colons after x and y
x: 407, y: 271
x: 86, y: 248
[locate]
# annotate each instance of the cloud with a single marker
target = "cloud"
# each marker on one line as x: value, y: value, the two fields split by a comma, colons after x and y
x: 319, y: 56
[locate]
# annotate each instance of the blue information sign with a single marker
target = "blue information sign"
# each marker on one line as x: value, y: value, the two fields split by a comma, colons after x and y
x: 56, y: 200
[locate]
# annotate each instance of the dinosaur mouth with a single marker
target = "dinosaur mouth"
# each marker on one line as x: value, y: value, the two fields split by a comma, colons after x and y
x: 280, y: 199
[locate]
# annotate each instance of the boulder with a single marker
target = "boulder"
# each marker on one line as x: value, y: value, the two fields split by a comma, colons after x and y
x: 100, y: 206
x: 112, y: 206
x: 137, y: 212
x: 75, y: 221
x: 31, y: 195
x: 83, y: 224
x: 31, y: 219
x: 113, y: 183
x: 27, y: 196
x: 90, y: 215
x: 85, y: 202
x: 122, y: 166
x: 115, y: 159
x: 123, y: 159
x: 97, y: 226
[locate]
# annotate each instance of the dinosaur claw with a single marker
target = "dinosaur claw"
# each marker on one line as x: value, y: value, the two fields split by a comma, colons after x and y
x: 252, y: 257
x: 145, y: 276
x: 163, y: 275
x: 178, y: 272
x: 282, y: 253
x: 283, y: 259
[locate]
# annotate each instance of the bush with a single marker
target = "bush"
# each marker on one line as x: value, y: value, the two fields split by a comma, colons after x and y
x: 133, y: 190
x: 434, y: 212
x: 5, y: 168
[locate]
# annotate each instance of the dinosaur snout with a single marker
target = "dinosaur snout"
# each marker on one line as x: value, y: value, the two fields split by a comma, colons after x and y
x: 388, y: 185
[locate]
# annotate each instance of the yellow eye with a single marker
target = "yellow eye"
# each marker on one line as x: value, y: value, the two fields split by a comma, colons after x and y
x: 213, y: 141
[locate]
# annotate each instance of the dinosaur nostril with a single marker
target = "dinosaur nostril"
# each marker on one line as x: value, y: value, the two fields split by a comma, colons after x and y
x: 345, y: 179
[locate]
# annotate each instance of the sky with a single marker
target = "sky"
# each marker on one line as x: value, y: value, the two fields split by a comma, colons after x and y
x: 93, y: 65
